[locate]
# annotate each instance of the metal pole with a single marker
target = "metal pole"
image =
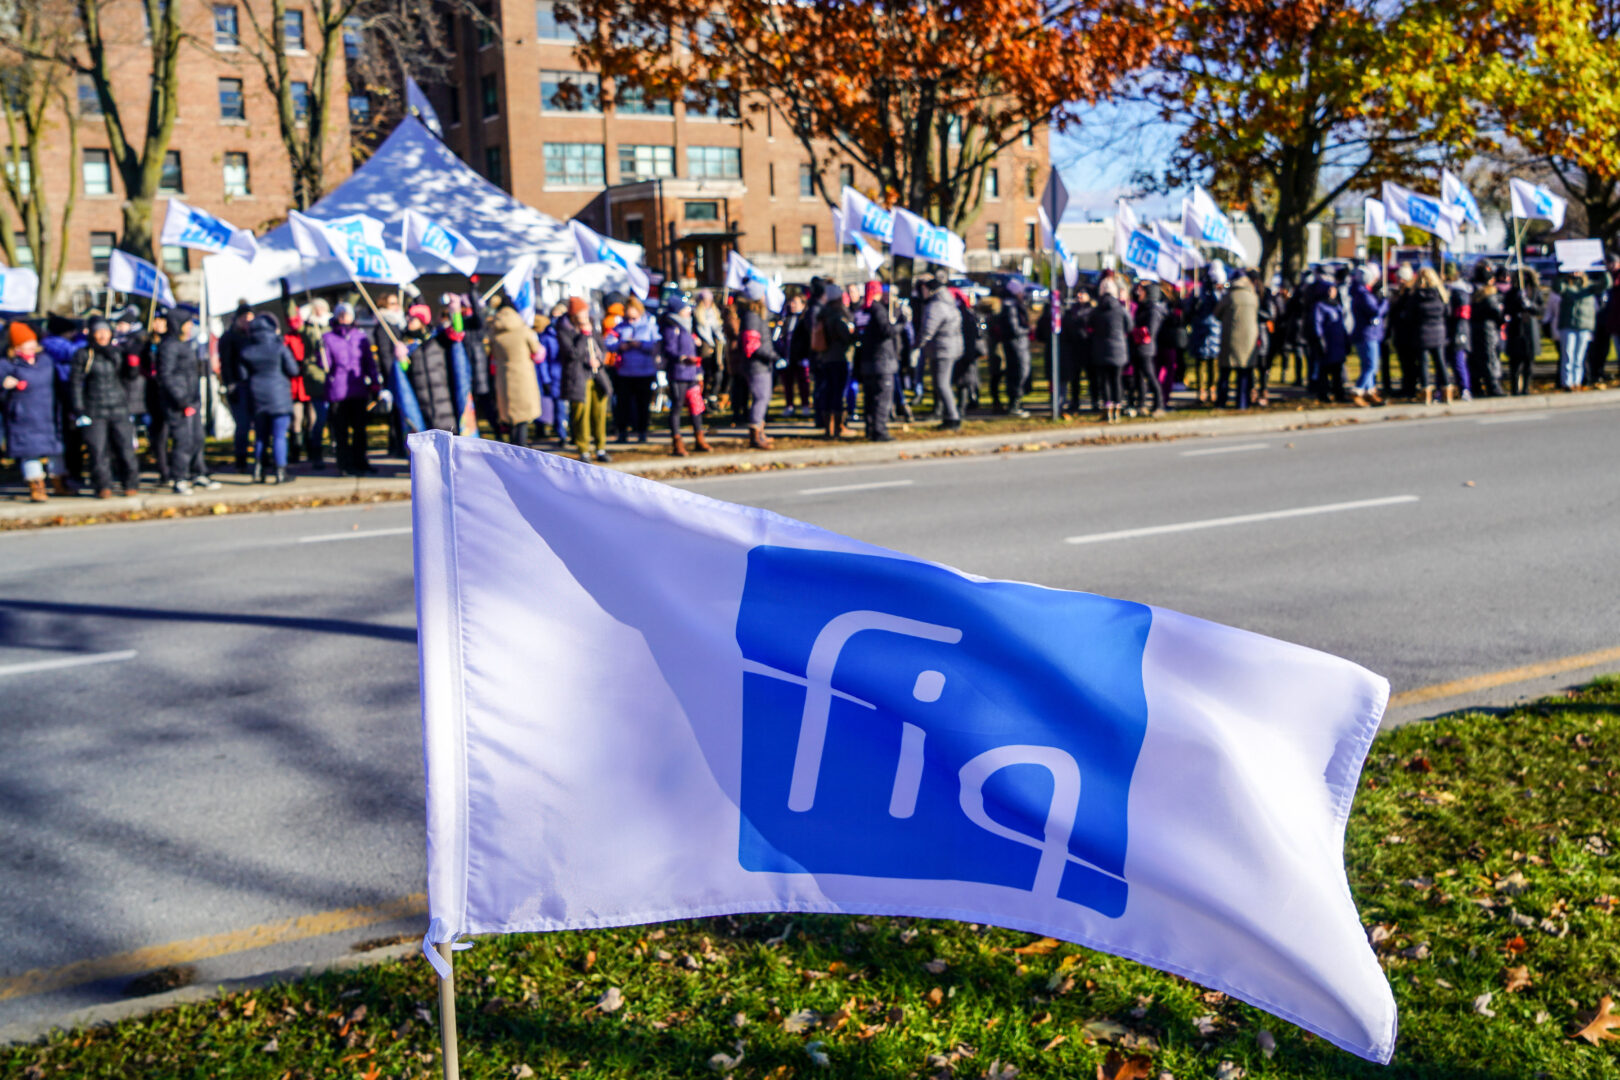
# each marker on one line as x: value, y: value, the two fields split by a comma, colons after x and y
x: 1518, y: 250
x: 447, y: 1015
x: 1054, y: 312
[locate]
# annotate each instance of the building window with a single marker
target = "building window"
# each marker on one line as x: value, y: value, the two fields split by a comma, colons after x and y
x: 846, y: 176
x: 713, y: 162
x: 236, y: 175
x: 570, y: 92
x: 635, y: 231
x: 632, y: 101
x: 702, y: 211
x: 299, y: 92
x: 549, y: 25
x: 1029, y: 237
x: 351, y: 37
x: 486, y: 31
x: 101, y: 249
x: 992, y: 237
x: 25, y: 254
x: 492, y: 164
x: 455, y: 106
x: 992, y: 184
x: 19, y: 170
x: 171, y: 181
x: 231, y: 105
x: 489, y: 95
x: 645, y: 162
x: 226, y: 32
x: 574, y: 164
x: 1029, y: 183
x: 770, y: 177
x: 97, y: 172
x: 725, y: 106
x: 89, y: 100
x: 359, y: 110
x: 292, y: 29
x: 807, y: 182
x: 1029, y: 138
x: 807, y: 239
x: 176, y: 260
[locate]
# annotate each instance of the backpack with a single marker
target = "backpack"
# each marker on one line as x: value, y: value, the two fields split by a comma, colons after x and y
x: 818, y: 335
x: 972, y: 332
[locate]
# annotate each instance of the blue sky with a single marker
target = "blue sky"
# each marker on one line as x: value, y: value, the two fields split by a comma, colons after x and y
x: 1099, y: 157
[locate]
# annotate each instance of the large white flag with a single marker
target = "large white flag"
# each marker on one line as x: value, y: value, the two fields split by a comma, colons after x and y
x: 918, y: 238
x: 356, y: 242
x: 800, y: 721
x: 862, y: 215
x: 1454, y: 193
x: 1185, y: 251
x: 439, y: 243
x: 518, y: 284
x: 127, y: 273
x: 1140, y: 250
x: 742, y: 276
x: 591, y: 247
x: 1204, y: 222
x: 19, y: 290
x: 1534, y: 201
x: 188, y: 227
x: 1375, y: 222
x: 1406, y: 207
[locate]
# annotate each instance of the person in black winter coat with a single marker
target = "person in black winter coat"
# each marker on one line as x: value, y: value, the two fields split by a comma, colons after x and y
x: 267, y: 366
x: 429, y: 372
x: 99, y: 392
x: 1012, y: 336
x: 1428, y: 308
x: 877, y: 361
x: 1525, y: 307
x: 1150, y: 311
x: 176, y: 380
x: 830, y: 366
x: 759, y: 361
x: 1485, y: 328
x: 1110, y: 345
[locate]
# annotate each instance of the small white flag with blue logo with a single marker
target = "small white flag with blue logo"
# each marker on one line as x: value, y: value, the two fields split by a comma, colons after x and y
x: 356, y: 242
x: 591, y: 247
x: 744, y: 277
x: 1186, y: 253
x: 188, y: 227
x: 1375, y: 222
x: 1406, y: 207
x: 918, y: 238
x: 1204, y: 223
x: 770, y: 717
x: 1141, y: 250
x: 862, y: 215
x: 440, y: 243
x: 19, y: 290
x: 1455, y: 193
x: 130, y: 274
x: 518, y: 284
x: 1534, y: 201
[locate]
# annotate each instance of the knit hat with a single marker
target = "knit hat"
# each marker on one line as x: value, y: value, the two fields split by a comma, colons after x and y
x: 420, y: 312
x: 676, y: 304
x: 98, y: 323
x: 20, y: 335
x: 343, y: 309
x: 577, y: 305
x: 874, y: 291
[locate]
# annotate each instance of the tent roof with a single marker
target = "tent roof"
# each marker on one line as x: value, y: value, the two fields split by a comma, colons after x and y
x: 411, y: 170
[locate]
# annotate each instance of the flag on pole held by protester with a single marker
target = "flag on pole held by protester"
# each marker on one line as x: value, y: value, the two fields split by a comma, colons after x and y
x: 19, y: 289
x: 1375, y: 222
x: 130, y: 274
x: 424, y: 236
x: 1140, y: 250
x: 1204, y: 222
x: 1536, y: 202
x: 591, y: 247
x: 518, y: 284
x: 188, y: 227
x: 800, y: 721
x: 862, y: 215
x: 917, y: 238
x: 417, y: 102
x: 356, y: 242
x: 868, y: 256
x: 1424, y: 212
x: 1054, y: 243
x: 1185, y: 251
x: 1454, y: 193
x: 742, y: 275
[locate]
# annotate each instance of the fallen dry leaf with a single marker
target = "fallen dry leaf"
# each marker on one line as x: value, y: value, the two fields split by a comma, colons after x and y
x: 935, y: 996
x: 1515, y: 979
x: 1038, y: 948
x: 1482, y: 1004
x: 1514, y: 946
x: 1206, y: 1025
x: 1514, y: 884
x: 1229, y: 1070
x: 590, y: 959
x: 1604, y: 1025
x: 935, y: 967
x: 1104, y: 1030
x: 1267, y: 1041
x: 1054, y: 1042
x: 612, y: 1000
x: 800, y: 1022
x: 1117, y: 1066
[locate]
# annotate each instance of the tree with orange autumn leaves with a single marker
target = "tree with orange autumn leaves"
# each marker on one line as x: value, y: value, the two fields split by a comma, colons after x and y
x: 919, y: 95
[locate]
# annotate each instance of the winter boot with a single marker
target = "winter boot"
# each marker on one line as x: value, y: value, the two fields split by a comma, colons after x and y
x: 258, y: 471
x: 59, y: 485
x: 36, y: 490
x: 282, y: 477
x: 677, y: 446
x: 757, y: 439
x: 701, y: 441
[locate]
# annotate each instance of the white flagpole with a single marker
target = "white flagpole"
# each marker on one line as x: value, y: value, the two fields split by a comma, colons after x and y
x: 447, y: 1015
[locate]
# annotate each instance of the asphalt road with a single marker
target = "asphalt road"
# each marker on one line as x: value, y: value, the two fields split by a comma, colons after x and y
x: 237, y: 741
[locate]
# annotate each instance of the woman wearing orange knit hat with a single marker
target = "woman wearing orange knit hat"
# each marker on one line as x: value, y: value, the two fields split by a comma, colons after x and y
x: 35, y: 436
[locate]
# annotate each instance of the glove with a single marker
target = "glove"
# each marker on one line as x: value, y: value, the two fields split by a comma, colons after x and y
x: 19, y: 384
x: 82, y: 421
x: 134, y: 361
x: 191, y: 410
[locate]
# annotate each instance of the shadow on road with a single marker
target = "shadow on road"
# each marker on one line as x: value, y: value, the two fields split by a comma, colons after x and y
x: 232, y: 618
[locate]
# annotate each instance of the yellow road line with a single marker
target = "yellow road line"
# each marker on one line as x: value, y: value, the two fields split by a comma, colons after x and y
x: 44, y: 980
x: 1475, y: 683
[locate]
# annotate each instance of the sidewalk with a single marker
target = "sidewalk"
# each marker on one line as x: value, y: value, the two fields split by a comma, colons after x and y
x: 393, y: 481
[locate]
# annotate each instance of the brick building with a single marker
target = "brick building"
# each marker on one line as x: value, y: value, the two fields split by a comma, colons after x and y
x: 684, y: 183
x: 226, y: 155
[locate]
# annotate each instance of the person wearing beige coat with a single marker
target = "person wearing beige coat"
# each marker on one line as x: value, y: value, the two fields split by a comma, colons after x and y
x: 514, y: 348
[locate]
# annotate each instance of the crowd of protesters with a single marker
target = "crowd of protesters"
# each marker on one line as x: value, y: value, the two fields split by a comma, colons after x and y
x: 78, y: 392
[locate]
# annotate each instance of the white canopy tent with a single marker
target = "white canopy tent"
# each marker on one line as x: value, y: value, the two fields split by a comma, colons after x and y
x: 411, y: 170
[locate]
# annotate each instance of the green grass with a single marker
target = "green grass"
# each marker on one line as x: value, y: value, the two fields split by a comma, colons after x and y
x: 1478, y: 844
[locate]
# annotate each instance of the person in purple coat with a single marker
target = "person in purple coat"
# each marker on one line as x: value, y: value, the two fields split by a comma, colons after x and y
x: 350, y: 388
x: 1328, y: 317
x: 28, y: 383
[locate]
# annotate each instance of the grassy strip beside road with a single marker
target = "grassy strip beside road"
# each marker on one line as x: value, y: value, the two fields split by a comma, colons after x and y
x: 1483, y: 853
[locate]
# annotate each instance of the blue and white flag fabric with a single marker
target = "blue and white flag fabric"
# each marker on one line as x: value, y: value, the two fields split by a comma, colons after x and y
x: 518, y: 284
x: 798, y: 721
x: 862, y: 215
x: 1185, y: 251
x: 1139, y: 250
x: 356, y: 242
x: 1055, y: 244
x: 1204, y: 223
x: 1454, y: 193
x: 440, y: 243
x: 417, y: 102
x: 591, y: 247
x: 1534, y: 201
x: 188, y: 227
x: 917, y: 238
x: 1375, y: 222
x: 130, y: 274
x: 1425, y: 212
x: 743, y: 277
x: 19, y: 290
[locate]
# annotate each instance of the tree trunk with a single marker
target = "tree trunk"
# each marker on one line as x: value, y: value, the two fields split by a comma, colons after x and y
x: 137, y: 233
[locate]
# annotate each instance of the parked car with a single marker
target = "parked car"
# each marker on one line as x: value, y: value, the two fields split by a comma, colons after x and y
x: 996, y: 280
